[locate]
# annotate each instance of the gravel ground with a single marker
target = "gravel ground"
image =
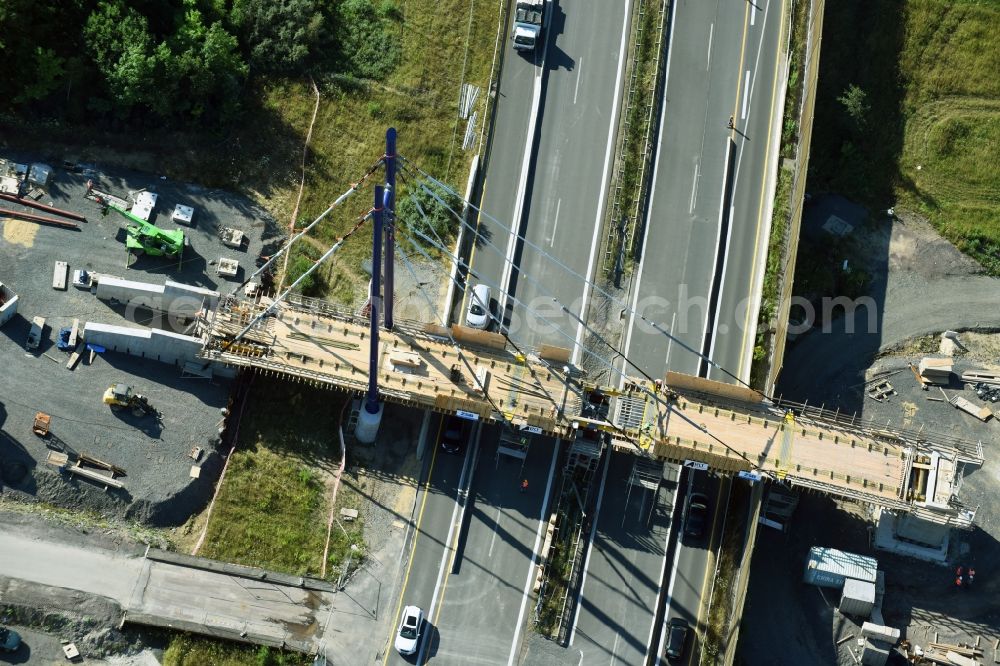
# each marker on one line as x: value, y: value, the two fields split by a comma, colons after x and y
x: 158, y: 487
x: 920, y: 284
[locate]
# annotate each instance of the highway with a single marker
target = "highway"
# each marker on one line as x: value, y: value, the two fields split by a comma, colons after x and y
x: 503, y: 168
x: 624, y: 569
x: 689, y: 587
x: 567, y: 192
x: 477, y: 598
x: 756, y: 146
x: 707, y: 226
x: 683, y: 225
x: 488, y: 600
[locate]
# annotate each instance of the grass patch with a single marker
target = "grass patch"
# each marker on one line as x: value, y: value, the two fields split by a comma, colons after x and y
x: 188, y: 650
x: 720, y: 608
x: 926, y: 134
x: 272, y: 509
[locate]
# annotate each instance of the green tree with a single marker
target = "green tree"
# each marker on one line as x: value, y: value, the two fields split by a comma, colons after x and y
x: 368, y: 47
x: 281, y: 35
x: 855, y: 102
x: 47, y: 72
x: 421, y: 210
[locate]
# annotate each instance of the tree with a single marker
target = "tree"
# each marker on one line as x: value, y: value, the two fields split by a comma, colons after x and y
x: 421, y: 210
x: 47, y: 72
x: 855, y: 101
x: 120, y: 43
x: 367, y: 47
x: 283, y: 36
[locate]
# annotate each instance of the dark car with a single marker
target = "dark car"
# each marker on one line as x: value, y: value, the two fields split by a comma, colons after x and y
x: 697, y: 515
x: 677, y: 634
x: 453, y: 436
x: 10, y: 640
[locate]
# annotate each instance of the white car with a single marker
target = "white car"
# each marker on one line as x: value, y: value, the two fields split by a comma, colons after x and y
x: 410, y: 628
x: 478, y: 315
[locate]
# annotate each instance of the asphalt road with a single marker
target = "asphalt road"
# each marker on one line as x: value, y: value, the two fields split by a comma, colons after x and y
x: 756, y: 143
x: 566, y: 193
x: 690, y: 585
x: 487, y: 600
x: 427, y: 548
x: 624, y: 569
x: 683, y: 225
x: 503, y: 170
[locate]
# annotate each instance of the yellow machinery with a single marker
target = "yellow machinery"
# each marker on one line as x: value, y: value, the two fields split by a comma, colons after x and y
x: 121, y: 396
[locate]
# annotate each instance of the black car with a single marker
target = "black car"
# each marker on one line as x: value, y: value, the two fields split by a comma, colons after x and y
x: 677, y: 633
x: 697, y: 515
x: 453, y: 435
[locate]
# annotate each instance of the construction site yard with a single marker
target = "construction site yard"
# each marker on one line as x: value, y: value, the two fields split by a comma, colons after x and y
x: 921, y: 598
x: 162, y: 483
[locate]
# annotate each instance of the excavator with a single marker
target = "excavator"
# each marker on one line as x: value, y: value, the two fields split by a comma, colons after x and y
x: 145, y: 238
x: 121, y: 396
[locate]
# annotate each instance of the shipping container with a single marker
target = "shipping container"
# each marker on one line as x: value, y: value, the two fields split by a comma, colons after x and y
x: 857, y: 599
x: 829, y: 567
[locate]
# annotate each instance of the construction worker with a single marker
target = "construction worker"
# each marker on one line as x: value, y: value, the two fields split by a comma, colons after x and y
x: 958, y: 576
x: 971, y: 577
x: 958, y: 581
x: 524, y: 485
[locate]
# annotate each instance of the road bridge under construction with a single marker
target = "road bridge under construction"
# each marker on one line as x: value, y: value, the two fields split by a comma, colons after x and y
x: 730, y: 428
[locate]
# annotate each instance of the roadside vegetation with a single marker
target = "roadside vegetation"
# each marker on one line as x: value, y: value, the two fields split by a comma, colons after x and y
x: 731, y: 550
x: 907, y: 114
x: 272, y: 508
x: 636, y: 159
x: 777, y: 247
x: 188, y: 650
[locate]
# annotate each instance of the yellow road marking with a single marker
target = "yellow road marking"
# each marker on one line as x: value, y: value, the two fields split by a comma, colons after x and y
x: 763, y: 186
x: 709, y: 570
x: 413, y: 546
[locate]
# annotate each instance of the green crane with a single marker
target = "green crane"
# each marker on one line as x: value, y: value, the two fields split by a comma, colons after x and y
x: 143, y: 237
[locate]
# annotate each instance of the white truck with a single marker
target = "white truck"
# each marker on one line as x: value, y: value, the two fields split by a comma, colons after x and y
x: 528, y: 18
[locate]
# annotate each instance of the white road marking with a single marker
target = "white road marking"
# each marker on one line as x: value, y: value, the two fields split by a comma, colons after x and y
x: 673, y: 579
x: 746, y: 94
x: 576, y: 91
x: 694, y: 189
x: 670, y: 341
x: 556, y: 225
x: 534, y: 554
x: 708, y: 60
x: 496, y: 528
x: 614, y: 649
